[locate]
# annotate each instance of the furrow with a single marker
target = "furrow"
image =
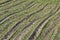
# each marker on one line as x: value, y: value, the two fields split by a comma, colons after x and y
x: 5, y: 2
x: 33, y: 36
x: 2, y: 20
x: 23, y: 20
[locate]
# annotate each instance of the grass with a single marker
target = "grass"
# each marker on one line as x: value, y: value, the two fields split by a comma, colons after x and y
x: 21, y: 10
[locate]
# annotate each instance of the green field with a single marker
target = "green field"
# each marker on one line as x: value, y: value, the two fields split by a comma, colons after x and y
x: 29, y: 19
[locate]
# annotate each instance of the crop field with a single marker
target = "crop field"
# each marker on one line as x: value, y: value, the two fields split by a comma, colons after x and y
x: 29, y: 19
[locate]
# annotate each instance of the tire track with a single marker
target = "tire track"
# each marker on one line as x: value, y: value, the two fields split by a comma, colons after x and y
x: 21, y: 22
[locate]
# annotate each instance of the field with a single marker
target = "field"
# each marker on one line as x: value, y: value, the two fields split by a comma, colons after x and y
x: 29, y: 19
